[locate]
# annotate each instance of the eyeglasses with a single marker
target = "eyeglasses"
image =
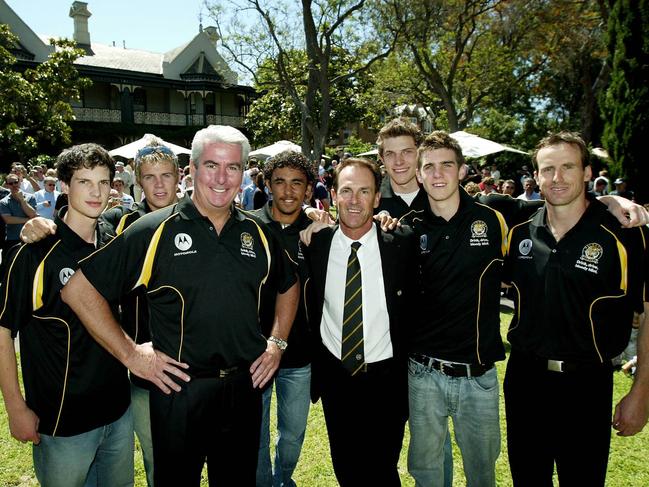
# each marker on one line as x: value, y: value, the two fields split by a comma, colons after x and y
x: 154, y: 149
x: 50, y: 185
x: 12, y: 183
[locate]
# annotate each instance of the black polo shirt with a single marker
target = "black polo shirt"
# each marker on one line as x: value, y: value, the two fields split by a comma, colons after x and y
x: 458, y: 315
x: 134, y: 316
x: 575, y: 298
x: 202, y: 288
x: 299, y: 351
x: 71, y: 382
x: 514, y: 210
x: 120, y: 218
x: 395, y: 204
x: 133, y: 309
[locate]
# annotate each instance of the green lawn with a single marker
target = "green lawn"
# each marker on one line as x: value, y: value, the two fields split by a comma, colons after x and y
x: 628, y: 464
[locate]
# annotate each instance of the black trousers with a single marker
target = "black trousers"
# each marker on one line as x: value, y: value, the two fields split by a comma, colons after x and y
x: 557, y: 417
x: 210, y: 419
x: 365, y: 416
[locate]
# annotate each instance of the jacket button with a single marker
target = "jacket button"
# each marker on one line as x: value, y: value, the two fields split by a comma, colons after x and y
x: 399, y: 292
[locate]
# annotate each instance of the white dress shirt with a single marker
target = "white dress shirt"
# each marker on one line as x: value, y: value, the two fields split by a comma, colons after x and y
x: 376, y: 321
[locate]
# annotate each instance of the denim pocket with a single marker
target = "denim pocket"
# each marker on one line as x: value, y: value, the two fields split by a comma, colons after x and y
x: 415, y: 369
x: 486, y: 382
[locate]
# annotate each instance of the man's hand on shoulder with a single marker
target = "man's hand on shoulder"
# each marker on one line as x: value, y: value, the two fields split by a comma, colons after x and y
x: 37, y: 229
x: 628, y: 213
x: 386, y: 221
x: 307, y: 233
x: 318, y: 215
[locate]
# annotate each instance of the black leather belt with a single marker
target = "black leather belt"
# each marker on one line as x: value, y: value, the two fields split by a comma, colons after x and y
x: 219, y: 373
x: 449, y: 368
x: 561, y: 365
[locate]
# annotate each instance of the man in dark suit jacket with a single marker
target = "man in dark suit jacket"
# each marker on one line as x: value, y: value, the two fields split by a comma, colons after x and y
x: 366, y: 403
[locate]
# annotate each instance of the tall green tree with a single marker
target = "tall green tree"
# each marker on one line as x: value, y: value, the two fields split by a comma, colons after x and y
x: 318, y: 28
x: 35, y: 103
x: 626, y: 103
x: 538, y: 61
x: 274, y: 115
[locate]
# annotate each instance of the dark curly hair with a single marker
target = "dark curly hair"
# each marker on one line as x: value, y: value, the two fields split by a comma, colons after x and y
x: 292, y: 160
x: 80, y: 156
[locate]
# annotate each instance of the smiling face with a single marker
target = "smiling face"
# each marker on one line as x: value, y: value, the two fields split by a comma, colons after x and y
x: 561, y: 174
x: 217, y: 177
x: 440, y: 175
x: 158, y: 181
x: 356, y: 197
x: 88, y: 193
x: 400, y: 160
x: 288, y: 186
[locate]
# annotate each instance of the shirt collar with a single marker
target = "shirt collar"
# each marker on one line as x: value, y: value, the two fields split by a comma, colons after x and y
x: 70, y: 237
x: 188, y: 210
x: 346, y: 242
x: 300, y: 222
x: 593, y: 214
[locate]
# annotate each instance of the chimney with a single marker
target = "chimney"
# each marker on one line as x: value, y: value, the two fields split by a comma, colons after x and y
x: 80, y: 13
x: 212, y: 34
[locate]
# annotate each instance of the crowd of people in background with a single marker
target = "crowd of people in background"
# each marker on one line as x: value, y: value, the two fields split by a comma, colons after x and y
x: 170, y: 302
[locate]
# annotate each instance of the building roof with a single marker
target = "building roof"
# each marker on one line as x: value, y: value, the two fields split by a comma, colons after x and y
x: 197, y: 59
x: 114, y: 57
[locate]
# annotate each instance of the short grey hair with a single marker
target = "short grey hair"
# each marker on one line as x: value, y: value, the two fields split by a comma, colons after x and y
x: 219, y: 133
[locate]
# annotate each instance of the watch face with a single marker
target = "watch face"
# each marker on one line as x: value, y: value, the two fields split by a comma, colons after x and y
x: 281, y: 344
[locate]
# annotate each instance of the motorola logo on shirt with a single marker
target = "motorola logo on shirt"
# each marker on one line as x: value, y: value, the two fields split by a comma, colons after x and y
x: 183, y: 242
x: 65, y: 274
x: 525, y: 247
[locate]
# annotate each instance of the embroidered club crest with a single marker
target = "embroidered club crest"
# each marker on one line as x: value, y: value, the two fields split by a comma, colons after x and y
x: 592, y: 252
x: 478, y: 229
x: 246, y: 241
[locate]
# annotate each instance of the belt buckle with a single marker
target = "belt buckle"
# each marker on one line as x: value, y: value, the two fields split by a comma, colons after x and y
x: 443, y: 365
x: 555, y: 365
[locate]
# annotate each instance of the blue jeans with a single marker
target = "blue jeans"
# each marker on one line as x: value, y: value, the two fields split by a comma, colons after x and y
x: 100, y: 457
x: 293, y: 390
x: 142, y: 427
x: 472, y: 402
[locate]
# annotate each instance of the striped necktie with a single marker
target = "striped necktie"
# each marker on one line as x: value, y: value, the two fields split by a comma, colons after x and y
x: 352, y: 346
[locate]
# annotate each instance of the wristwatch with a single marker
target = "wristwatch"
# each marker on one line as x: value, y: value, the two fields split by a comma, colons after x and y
x: 281, y: 344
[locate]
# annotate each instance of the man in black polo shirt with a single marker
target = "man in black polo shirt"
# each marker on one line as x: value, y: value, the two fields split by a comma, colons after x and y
x: 203, y: 264
x: 288, y: 176
x: 76, y: 412
x: 455, y: 339
x: 156, y: 171
x: 578, y: 278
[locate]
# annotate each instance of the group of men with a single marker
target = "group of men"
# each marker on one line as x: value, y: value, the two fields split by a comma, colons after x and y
x: 383, y: 326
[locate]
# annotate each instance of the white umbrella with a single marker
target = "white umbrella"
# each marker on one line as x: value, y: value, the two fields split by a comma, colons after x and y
x: 129, y: 150
x: 276, y: 148
x: 474, y: 146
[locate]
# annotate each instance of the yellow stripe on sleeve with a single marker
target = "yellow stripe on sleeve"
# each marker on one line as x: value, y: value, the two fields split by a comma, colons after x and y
x: 39, y: 278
